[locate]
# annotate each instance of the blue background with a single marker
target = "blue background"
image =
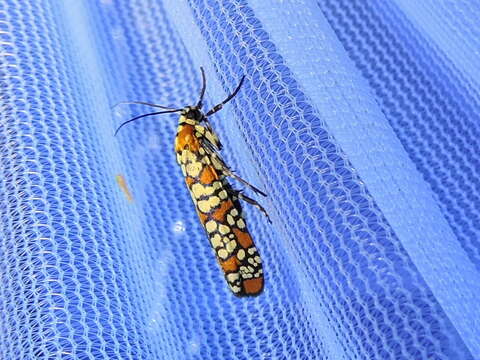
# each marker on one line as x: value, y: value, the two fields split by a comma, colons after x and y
x: 359, y: 117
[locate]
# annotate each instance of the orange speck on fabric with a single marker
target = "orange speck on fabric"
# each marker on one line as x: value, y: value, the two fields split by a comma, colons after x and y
x: 122, y: 183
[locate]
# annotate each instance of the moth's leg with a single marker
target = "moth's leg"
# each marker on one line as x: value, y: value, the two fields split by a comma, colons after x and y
x: 236, y: 177
x: 211, y: 136
x: 240, y: 195
x: 220, y: 165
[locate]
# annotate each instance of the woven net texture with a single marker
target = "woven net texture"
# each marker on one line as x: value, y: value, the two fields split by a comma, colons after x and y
x: 360, y: 119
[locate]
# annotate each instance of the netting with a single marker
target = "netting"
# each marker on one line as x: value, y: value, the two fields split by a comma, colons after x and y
x: 360, y: 119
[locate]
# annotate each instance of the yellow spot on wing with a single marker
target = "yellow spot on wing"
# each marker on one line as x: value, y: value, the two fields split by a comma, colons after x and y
x: 193, y: 169
x: 233, y: 277
x: 199, y: 190
x: 206, y: 206
x: 230, y: 220
x: 223, y: 194
x: 211, y: 226
x: 241, y: 224
x: 222, y: 253
x: 216, y: 241
x: 223, y: 229
x: 231, y: 246
x: 241, y: 254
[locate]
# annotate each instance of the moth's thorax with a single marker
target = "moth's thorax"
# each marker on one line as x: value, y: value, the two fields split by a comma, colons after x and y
x: 192, y: 113
x: 190, y: 130
x: 186, y: 138
x: 187, y: 121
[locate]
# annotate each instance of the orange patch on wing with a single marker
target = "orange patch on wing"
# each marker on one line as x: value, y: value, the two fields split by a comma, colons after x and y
x: 219, y: 214
x: 243, y: 238
x: 230, y: 264
x: 203, y: 217
x: 253, y: 286
x: 189, y: 180
x: 208, y: 175
x: 187, y: 139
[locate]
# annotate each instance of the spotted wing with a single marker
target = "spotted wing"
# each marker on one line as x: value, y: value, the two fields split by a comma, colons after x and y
x: 221, y: 215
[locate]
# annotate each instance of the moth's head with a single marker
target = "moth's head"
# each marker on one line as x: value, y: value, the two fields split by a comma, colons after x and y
x: 192, y: 113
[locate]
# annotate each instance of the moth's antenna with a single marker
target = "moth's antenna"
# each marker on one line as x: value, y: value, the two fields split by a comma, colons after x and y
x: 204, y: 86
x: 230, y: 97
x: 143, y: 103
x: 145, y: 115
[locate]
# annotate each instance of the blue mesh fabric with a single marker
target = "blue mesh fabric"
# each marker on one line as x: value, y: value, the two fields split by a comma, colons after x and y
x: 360, y: 117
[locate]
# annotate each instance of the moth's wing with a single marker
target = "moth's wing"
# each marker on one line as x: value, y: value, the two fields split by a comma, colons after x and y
x: 221, y: 215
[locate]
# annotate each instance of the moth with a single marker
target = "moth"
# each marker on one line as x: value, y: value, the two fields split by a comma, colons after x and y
x: 217, y: 203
